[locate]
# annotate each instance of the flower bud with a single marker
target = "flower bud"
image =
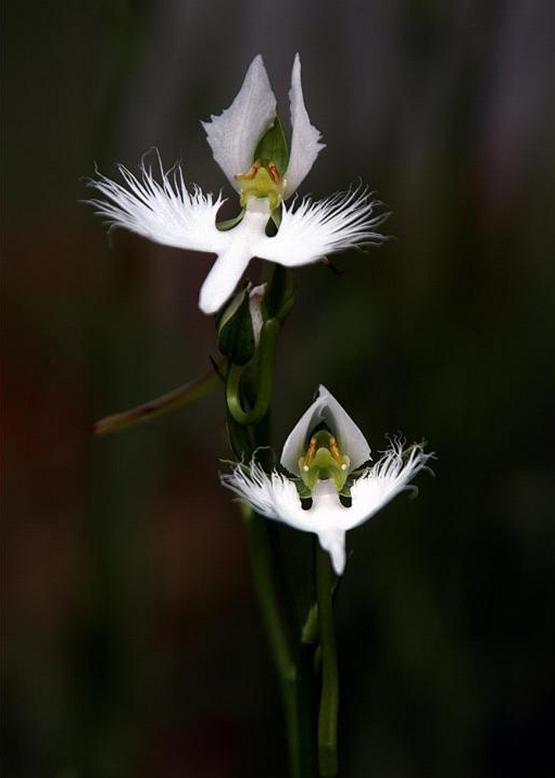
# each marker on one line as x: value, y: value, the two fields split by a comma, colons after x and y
x: 240, y: 323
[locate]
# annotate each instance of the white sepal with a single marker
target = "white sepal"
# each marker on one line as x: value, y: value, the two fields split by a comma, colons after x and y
x: 165, y: 212
x: 313, y: 230
x: 234, y: 134
x: 325, y: 408
x: 305, y: 140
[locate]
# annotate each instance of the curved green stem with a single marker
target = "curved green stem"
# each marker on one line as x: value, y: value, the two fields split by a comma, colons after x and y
x: 329, y: 700
x: 279, y: 634
x: 167, y: 403
x: 268, y: 339
x: 249, y: 430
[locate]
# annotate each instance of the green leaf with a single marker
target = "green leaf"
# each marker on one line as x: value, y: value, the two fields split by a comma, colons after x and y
x: 235, y: 330
x: 273, y: 147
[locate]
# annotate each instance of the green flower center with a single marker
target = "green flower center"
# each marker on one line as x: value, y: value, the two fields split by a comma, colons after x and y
x: 262, y: 180
x: 324, y: 460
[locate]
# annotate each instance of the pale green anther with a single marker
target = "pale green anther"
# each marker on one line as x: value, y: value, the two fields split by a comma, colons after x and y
x: 262, y: 181
x: 323, y: 460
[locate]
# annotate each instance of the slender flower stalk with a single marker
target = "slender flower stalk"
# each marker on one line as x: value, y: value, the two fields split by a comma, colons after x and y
x: 329, y: 695
x: 280, y: 639
x: 249, y: 432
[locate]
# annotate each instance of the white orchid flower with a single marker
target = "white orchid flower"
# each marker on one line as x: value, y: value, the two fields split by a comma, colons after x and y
x: 323, y: 451
x: 170, y: 213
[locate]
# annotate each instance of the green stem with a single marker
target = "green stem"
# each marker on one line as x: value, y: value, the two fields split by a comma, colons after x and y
x: 268, y: 341
x: 329, y: 700
x: 167, y: 403
x: 278, y: 632
x: 249, y: 430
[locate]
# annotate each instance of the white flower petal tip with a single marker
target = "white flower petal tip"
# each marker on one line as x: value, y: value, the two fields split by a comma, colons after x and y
x: 222, y: 279
x: 325, y: 408
x: 305, y: 140
x: 315, y: 229
x: 238, y: 248
x: 275, y: 497
x: 234, y: 134
x: 163, y: 211
x: 387, y: 478
x: 333, y: 541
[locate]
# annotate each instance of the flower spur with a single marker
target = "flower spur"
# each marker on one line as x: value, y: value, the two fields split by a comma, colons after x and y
x: 248, y: 143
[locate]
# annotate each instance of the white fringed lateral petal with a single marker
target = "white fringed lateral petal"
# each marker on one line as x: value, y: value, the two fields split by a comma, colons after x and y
x: 387, y: 478
x: 315, y: 229
x: 163, y: 211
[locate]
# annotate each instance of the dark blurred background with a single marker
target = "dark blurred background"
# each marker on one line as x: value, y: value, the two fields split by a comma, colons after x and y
x: 132, y: 645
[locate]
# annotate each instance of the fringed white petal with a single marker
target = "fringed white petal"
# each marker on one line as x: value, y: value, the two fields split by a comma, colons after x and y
x: 234, y: 134
x: 233, y: 261
x: 313, y: 230
x: 273, y: 496
x: 165, y: 212
x: 325, y: 408
x: 384, y: 481
x: 305, y: 140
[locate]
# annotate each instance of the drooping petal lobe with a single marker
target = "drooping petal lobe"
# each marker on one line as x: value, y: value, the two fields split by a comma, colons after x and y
x: 325, y: 408
x: 233, y: 261
x: 223, y: 278
x: 305, y: 140
x: 314, y: 230
x: 165, y: 212
x: 332, y: 540
x: 234, y: 134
